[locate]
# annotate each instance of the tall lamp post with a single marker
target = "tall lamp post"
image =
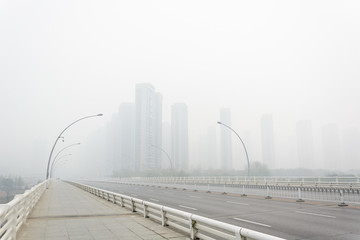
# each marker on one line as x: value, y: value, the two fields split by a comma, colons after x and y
x: 247, y: 156
x: 57, y: 165
x: 55, y: 162
x: 165, y: 154
x: 57, y: 139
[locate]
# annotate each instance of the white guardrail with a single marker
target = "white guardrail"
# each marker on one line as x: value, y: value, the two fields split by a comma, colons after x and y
x: 196, y: 226
x: 14, y: 213
x: 342, y: 182
x: 330, y: 189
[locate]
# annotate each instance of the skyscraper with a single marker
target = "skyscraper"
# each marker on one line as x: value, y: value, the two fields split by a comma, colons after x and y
x: 179, y: 136
x: 225, y: 140
x: 267, y: 140
x: 305, y: 148
x: 148, y: 123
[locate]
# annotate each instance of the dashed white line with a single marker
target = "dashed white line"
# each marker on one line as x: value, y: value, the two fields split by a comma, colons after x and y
x: 245, y: 204
x: 188, y: 207
x: 152, y: 199
x: 261, y: 224
x: 315, y: 214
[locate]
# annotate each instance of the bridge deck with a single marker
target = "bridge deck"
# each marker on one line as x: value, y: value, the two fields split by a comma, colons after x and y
x: 67, y: 212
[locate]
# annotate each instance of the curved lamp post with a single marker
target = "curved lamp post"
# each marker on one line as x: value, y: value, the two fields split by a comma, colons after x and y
x: 57, y: 139
x: 56, y: 161
x: 247, y: 156
x: 165, y: 154
x: 52, y: 164
x: 59, y: 164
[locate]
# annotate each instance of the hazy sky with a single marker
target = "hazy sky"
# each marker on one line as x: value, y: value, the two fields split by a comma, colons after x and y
x: 61, y: 60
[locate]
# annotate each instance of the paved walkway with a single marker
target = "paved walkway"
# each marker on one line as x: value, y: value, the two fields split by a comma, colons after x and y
x: 67, y: 212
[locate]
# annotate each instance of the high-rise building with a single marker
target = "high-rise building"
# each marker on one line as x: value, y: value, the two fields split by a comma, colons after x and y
x: 148, y: 124
x: 305, y: 148
x: 331, y: 147
x: 179, y: 136
x: 225, y: 140
x: 267, y: 140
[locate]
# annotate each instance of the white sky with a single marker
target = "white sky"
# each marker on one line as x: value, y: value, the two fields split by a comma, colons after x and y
x: 61, y: 60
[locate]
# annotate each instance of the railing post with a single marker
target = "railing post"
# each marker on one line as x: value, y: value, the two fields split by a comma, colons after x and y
x: 132, y: 205
x: 145, y: 210
x: 208, y: 191
x: 342, y: 203
x: 163, y: 217
x: 299, y: 199
x: 224, y: 192
x: 268, y: 193
x: 243, y: 190
x: 193, y: 229
x: 13, y: 219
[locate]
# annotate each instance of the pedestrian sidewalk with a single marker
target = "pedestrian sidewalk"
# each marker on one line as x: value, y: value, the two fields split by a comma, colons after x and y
x: 67, y: 212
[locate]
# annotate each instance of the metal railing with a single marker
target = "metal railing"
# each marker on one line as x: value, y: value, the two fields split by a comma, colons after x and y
x: 194, y: 225
x: 14, y: 213
x: 343, y: 182
x: 329, y: 189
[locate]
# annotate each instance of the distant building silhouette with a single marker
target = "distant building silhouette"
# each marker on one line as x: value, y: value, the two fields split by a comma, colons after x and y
x: 305, y: 142
x: 225, y: 140
x: 148, y: 119
x: 331, y: 147
x: 267, y: 139
x: 179, y: 136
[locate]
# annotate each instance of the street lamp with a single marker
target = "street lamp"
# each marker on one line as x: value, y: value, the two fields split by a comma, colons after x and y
x: 57, y: 139
x: 247, y: 157
x: 55, y: 162
x: 57, y: 165
x: 165, y: 154
x: 52, y: 164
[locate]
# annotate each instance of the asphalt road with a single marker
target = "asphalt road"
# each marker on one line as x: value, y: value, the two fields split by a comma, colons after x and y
x: 279, y: 217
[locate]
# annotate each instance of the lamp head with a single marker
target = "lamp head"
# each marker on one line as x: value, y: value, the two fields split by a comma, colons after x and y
x: 99, y: 115
x: 219, y: 122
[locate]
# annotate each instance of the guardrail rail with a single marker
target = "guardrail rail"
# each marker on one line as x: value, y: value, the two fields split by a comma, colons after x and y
x: 194, y: 225
x: 14, y: 213
x: 329, y: 189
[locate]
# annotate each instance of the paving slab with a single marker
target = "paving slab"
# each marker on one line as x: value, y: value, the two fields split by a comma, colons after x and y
x: 67, y: 212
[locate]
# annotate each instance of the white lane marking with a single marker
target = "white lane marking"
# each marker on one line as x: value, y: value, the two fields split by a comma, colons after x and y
x: 134, y: 195
x: 188, y: 207
x: 152, y: 199
x: 315, y: 214
x: 261, y: 224
x: 194, y: 197
x: 245, y: 204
